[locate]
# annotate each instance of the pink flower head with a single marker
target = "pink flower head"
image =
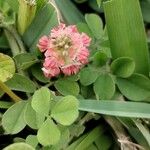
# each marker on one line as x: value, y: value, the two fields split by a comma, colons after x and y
x: 66, y: 50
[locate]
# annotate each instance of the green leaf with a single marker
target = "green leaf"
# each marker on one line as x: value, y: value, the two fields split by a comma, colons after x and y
x: 88, y: 76
x: 13, y: 4
x: 38, y: 74
x: 127, y: 32
x: 32, y: 118
x: 99, y: 2
x: 74, y: 16
x: 64, y: 139
x: 116, y: 108
x: 136, y: 87
x: 40, y: 27
x: 104, y: 87
x: 95, y: 24
x: 5, y: 105
x: 99, y: 58
x: 32, y: 140
x: 41, y: 101
x: 13, y: 119
x: 49, y: 133
x: 7, y: 67
x: 123, y: 67
x: 134, y: 131
x: 3, y: 43
x: 103, y: 142
x: 21, y: 83
x: 67, y: 87
x: 65, y: 111
x: 145, y: 6
x: 83, y: 27
x: 144, y: 131
x: 25, y: 60
x: 19, y: 146
x: 90, y: 138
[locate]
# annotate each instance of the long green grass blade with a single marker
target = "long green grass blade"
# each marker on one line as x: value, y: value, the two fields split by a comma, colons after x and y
x: 116, y: 108
x: 126, y: 32
x: 134, y: 131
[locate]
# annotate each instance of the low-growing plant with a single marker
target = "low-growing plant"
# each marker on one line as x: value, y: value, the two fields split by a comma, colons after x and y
x: 70, y: 81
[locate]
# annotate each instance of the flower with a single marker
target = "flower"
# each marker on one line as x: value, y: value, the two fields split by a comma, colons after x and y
x: 65, y: 50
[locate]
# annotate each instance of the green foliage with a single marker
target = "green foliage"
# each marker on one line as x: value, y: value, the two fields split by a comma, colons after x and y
x: 95, y: 24
x: 13, y: 120
x: 65, y: 111
x: 126, y: 32
x: 74, y: 16
x: 32, y: 140
x: 136, y: 87
x: 109, y: 91
x: 123, y: 67
x: 67, y: 87
x: 44, y: 25
x: 104, y: 87
x: 32, y: 118
x: 41, y: 101
x: 38, y: 74
x: 21, y: 83
x: 17, y: 146
x: 7, y: 67
x: 25, y: 60
x: 116, y: 108
x: 88, y: 76
x: 48, y: 134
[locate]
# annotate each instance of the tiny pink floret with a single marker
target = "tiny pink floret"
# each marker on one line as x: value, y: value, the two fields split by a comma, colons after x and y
x: 65, y: 49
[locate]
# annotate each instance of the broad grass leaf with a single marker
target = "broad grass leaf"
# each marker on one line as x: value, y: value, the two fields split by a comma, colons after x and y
x: 65, y: 111
x: 116, y: 108
x: 127, y: 34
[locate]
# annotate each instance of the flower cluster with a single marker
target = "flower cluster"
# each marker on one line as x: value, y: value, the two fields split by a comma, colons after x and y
x: 65, y: 50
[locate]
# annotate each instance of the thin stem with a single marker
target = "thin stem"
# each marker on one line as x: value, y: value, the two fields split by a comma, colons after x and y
x: 12, y: 43
x: 7, y: 90
x: 17, y: 37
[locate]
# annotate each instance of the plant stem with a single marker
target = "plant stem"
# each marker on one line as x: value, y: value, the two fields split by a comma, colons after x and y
x: 12, y: 43
x: 7, y: 90
x: 121, y: 134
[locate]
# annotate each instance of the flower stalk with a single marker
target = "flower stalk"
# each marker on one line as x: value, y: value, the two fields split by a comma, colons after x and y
x: 7, y: 90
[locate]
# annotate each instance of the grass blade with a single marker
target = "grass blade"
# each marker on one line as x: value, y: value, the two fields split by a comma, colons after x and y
x: 116, y: 108
x: 126, y: 32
